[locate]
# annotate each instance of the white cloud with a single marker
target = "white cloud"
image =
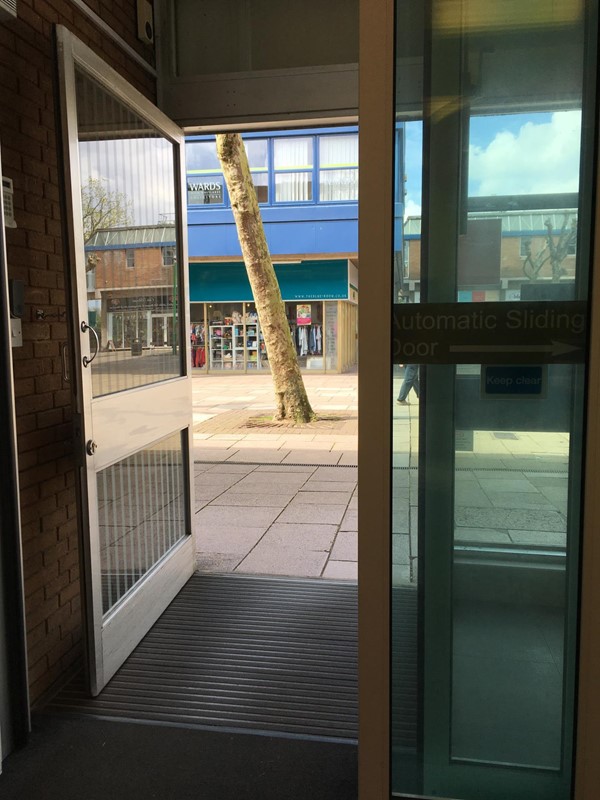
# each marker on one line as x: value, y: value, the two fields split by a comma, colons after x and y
x: 540, y: 158
x: 142, y: 169
x: 411, y: 209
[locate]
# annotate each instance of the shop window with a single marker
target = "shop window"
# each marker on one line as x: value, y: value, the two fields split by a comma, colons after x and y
x: 293, y: 161
x: 130, y: 259
x: 524, y: 247
x: 202, y: 157
x: 168, y: 256
x: 306, y: 327
x: 257, y: 151
x: 204, y: 181
x: 338, y: 168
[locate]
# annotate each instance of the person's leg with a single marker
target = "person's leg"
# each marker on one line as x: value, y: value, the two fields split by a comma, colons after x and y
x: 416, y: 383
x: 406, y: 383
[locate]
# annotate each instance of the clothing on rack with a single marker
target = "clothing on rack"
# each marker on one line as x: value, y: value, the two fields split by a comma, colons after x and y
x: 302, y: 340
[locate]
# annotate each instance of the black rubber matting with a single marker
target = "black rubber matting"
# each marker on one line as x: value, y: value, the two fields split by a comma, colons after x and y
x: 241, y: 653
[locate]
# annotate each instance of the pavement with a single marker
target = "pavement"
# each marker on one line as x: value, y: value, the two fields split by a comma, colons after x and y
x: 282, y: 502
x: 285, y: 503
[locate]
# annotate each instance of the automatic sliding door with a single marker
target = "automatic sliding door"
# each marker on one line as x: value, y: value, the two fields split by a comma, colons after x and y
x: 487, y: 463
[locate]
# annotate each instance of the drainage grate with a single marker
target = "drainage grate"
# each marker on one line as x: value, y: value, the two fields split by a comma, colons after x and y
x: 268, y: 655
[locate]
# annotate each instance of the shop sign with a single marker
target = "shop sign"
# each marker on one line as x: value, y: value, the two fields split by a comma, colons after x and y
x: 303, y: 314
x: 525, y: 380
x: 463, y: 441
x: 204, y: 192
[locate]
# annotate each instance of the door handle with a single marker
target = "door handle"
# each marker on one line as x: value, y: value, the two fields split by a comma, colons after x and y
x: 90, y: 447
x: 85, y: 327
x: 64, y: 356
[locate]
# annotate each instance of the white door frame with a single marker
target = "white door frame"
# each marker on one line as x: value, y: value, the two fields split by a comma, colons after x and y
x: 167, y: 405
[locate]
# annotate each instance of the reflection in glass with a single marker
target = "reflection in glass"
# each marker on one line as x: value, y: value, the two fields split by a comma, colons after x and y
x: 141, y: 514
x: 128, y: 201
x: 485, y: 534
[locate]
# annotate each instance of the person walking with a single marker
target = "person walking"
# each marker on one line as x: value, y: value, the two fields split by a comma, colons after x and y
x: 411, y: 381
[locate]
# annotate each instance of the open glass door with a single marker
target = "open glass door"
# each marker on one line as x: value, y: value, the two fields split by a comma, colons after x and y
x: 128, y: 253
x: 487, y: 463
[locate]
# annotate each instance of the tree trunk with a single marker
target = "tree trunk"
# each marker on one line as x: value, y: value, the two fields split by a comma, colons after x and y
x: 290, y: 393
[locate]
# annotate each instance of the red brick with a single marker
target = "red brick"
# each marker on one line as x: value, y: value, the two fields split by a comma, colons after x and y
x: 56, y: 586
x: 69, y: 592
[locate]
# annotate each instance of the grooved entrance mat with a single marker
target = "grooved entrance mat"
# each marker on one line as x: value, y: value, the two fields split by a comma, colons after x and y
x: 241, y: 653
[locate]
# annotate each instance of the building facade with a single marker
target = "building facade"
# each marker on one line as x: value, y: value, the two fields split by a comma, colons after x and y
x: 505, y: 254
x: 307, y: 188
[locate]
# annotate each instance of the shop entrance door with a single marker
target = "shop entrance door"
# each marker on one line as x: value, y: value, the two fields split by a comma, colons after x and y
x: 124, y: 157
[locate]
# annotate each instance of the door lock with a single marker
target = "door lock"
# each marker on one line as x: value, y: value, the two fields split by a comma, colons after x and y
x: 91, y: 447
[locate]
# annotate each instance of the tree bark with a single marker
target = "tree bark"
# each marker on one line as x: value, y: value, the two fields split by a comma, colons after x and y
x: 290, y: 392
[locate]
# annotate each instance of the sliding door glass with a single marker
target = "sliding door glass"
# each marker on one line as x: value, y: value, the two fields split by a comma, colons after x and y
x: 491, y: 293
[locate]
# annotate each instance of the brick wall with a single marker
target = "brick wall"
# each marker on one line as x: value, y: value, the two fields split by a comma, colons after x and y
x: 148, y: 269
x: 511, y: 261
x: 35, y: 250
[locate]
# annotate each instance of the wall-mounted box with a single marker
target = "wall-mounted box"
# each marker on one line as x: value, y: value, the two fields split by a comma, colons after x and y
x: 7, y: 199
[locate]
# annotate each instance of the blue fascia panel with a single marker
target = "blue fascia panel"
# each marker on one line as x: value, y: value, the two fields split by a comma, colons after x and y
x: 224, y: 282
x: 333, y: 236
x: 283, y: 213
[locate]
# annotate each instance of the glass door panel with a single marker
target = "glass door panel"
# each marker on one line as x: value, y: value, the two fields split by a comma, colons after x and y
x: 492, y: 304
x: 125, y: 179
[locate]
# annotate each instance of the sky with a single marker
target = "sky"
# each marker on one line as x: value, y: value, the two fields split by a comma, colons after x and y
x: 142, y: 169
x: 508, y: 154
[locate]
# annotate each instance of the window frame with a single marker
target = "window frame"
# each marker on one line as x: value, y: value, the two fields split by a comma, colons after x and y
x: 320, y: 169
x: 171, y: 248
x: 308, y: 170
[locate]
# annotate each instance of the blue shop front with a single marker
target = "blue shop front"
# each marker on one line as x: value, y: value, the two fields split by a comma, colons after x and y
x: 321, y: 305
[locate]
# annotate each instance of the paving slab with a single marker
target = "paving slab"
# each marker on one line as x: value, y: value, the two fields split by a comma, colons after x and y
x: 279, y: 469
x: 223, y: 516
x: 255, y: 456
x: 335, y: 474
x: 301, y: 513
x: 308, y: 536
x: 519, y: 500
x: 315, y: 485
x: 323, y: 498
x: 482, y: 535
x: 229, y: 468
x: 341, y: 570
x: 259, y: 481
x: 231, y: 542
x: 310, y: 457
x: 345, y: 547
x: 257, y: 500
x: 517, y: 519
x: 400, y: 548
x: 350, y: 521
x: 290, y: 561
x: 216, y: 562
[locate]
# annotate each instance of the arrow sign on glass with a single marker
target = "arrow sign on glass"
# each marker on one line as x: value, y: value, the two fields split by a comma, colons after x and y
x: 498, y: 333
